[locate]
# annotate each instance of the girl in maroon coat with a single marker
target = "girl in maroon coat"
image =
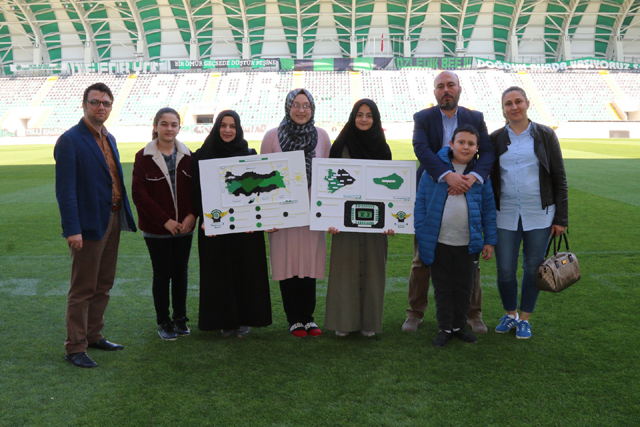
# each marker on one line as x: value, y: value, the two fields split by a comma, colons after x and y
x: 161, y: 191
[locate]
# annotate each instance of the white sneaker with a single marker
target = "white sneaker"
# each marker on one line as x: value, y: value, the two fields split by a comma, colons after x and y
x: 366, y: 333
x: 342, y: 333
x: 411, y: 324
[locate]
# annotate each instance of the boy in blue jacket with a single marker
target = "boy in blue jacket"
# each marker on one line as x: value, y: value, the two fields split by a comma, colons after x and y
x: 452, y: 231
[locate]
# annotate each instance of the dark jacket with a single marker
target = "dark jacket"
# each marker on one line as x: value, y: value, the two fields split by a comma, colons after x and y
x: 152, y: 192
x: 430, y: 202
x: 553, y: 180
x: 427, y: 141
x: 84, y: 185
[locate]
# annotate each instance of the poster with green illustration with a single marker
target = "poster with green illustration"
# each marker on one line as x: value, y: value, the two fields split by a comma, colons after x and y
x: 253, y: 193
x: 363, y: 196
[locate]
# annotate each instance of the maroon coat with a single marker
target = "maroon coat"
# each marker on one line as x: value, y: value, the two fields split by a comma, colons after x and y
x: 152, y: 192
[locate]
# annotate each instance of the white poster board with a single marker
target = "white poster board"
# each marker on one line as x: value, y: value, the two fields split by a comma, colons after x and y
x: 252, y: 193
x: 363, y: 196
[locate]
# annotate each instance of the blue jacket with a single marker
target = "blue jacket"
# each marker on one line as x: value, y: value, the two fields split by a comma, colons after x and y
x: 430, y: 202
x: 427, y: 141
x: 84, y: 185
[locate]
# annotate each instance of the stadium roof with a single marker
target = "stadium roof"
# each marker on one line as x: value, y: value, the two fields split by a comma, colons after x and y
x: 52, y: 31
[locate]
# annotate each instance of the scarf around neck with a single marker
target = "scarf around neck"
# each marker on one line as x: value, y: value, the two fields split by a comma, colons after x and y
x: 293, y: 136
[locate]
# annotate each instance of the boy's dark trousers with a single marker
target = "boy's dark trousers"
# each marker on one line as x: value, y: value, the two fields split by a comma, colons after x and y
x: 452, y: 274
x: 419, y: 289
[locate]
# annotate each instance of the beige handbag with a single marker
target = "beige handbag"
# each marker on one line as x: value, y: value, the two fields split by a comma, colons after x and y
x: 559, y: 271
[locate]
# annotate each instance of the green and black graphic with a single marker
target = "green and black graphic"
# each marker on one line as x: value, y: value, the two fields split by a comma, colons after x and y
x: 339, y: 180
x: 250, y: 183
x: 363, y: 214
x: 216, y: 215
x: 401, y: 216
x: 392, y: 182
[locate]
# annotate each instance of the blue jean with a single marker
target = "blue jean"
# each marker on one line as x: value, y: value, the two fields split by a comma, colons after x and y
x: 534, y: 245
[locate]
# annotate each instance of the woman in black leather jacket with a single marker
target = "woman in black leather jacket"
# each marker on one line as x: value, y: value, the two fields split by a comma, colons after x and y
x: 530, y: 187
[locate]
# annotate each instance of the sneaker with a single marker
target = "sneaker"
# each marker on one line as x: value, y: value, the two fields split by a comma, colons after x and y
x: 523, y: 330
x: 243, y: 331
x: 477, y: 325
x: 181, y: 326
x: 342, y: 333
x: 366, y: 333
x: 298, y: 330
x: 506, y: 323
x: 167, y: 331
x: 312, y: 329
x: 411, y: 324
x: 465, y: 336
x: 442, y: 339
x: 225, y: 333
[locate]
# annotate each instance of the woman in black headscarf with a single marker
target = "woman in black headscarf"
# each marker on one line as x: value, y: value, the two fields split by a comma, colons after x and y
x: 357, y: 269
x: 234, y: 281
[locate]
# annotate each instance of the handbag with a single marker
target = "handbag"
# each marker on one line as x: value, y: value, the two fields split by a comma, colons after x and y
x: 559, y: 271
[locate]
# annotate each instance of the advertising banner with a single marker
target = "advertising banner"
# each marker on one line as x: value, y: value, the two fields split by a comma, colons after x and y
x: 574, y: 64
x: 436, y: 63
x: 208, y: 64
x: 35, y: 67
x: 335, y: 64
x: 318, y: 64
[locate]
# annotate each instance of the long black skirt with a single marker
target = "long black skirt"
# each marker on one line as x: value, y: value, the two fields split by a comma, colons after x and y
x: 234, y: 281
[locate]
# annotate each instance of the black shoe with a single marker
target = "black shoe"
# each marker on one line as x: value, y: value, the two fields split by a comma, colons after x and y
x: 167, y: 331
x: 80, y: 360
x: 465, y: 336
x: 105, y: 345
x: 181, y: 327
x: 442, y: 339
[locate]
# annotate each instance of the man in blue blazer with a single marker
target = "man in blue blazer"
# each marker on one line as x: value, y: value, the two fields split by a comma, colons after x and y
x: 94, y: 209
x: 433, y: 129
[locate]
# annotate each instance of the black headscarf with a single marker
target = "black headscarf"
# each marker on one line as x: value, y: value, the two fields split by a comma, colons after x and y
x: 368, y: 144
x: 214, y: 147
x: 293, y: 136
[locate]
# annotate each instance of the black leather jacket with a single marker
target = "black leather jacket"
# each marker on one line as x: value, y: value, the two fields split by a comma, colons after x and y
x: 553, y: 180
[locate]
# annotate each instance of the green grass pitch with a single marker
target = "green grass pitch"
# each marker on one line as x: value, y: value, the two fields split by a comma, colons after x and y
x: 580, y: 368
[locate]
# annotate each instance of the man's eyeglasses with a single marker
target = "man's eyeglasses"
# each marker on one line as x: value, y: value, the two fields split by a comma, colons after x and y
x: 297, y: 106
x: 95, y: 103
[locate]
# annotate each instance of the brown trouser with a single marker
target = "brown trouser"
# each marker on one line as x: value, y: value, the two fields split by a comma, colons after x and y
x: 93, y: 270
x: 419, y: 289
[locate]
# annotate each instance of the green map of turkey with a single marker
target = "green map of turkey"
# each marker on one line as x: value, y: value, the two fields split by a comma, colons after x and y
x: 250, y: 183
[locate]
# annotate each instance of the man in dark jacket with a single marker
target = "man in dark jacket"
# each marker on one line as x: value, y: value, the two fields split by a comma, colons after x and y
x: 94, y: 209
x: 433, y: 129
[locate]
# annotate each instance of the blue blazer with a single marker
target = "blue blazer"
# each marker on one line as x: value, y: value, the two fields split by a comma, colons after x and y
x: 84, y: 185
x: 427, y: 141
x: 430, y: 203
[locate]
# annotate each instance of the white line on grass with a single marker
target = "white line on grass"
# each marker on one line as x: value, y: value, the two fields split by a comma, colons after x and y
x: 22, y: 287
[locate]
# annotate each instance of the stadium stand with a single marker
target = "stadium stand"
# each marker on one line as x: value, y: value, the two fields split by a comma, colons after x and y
x: 575, y: 96
x: 65, y: 97
x: 18, y: 92
x: 258, y: 95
